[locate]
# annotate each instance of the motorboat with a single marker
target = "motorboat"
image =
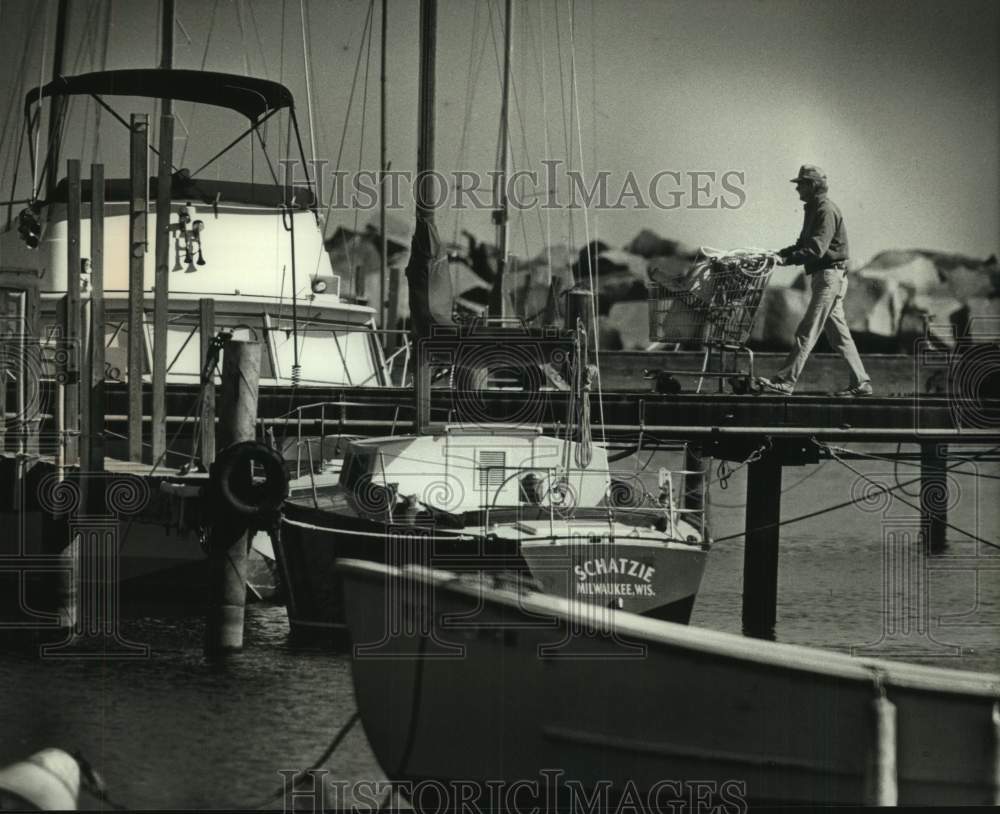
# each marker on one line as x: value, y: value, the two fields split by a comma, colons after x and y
x: 235, y: 244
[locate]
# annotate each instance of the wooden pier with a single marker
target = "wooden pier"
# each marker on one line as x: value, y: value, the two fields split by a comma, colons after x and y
x: 765, y: 432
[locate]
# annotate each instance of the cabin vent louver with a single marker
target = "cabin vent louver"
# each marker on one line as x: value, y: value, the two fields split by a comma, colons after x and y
x: 491, y: 469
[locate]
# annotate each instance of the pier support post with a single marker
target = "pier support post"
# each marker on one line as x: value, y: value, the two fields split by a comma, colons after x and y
x: 934, y: 494
x: 95, y: 430
x: 161, y: 290
x: 72, y: 336
x: 228, y: 540
x: 206, y: 330
x: 138, y: 175
x: 760, y: 552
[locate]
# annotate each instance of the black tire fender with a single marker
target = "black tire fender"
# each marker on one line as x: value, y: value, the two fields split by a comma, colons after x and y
x: 237, y: 494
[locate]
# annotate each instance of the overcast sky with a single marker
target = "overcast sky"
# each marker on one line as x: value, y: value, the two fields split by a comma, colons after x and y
x: 897, y: 101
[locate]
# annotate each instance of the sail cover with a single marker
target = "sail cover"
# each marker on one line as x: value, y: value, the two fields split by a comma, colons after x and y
x: 431, y: 295
x: 247, y: 95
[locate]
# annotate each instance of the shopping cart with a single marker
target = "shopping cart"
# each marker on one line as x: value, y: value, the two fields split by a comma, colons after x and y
x: 712, y: 308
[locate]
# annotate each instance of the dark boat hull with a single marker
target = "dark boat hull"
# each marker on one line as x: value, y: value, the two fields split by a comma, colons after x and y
x: 664, y: 584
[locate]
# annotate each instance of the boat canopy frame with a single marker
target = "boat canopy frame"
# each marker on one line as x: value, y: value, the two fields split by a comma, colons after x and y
x: 256, y: 99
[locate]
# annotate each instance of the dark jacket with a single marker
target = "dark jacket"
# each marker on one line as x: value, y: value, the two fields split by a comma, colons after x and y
x: 823, y: 240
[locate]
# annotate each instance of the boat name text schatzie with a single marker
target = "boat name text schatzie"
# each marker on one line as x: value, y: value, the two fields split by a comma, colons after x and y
x: 614, y: 565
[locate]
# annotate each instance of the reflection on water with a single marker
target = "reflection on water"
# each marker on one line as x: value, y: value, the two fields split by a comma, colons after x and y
x: 174, y: 732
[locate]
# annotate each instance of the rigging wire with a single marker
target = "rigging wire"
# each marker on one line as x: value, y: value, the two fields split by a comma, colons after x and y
x: 546, y: 229
x: 499, y: 31
x: 281, y: 72
x: 845, y: 503
x: 784, y: 489
x: 204, y: 62
x: 17, y: 92
x: 102, y: 66
x: 260, y: 44
x: 343, y: 135
x: 41, y: 82
x: 905, y: 502
x: 471, y: 83
x: 364, y: 105
x: 591, y: 254
x: 306, y: 63
x: 243, y: 36
x: 520, y: 118
x: 323, y: 758
x: 497, y: 157
x: 915, y: 464
x: 88, y: 41
x: 262, y: 136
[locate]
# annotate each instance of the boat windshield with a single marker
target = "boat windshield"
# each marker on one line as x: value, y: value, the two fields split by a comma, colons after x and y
x: 356, y: 466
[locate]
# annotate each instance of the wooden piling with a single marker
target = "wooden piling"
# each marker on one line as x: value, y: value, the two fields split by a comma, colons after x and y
x: 228, y: 540
x: 56, y: 531
x: 71, y: 330
x: 85, y: 377
x: 934, y: 494
x: 139, y: 181
x: 95, y: 430
x: 760, y: 551
x: 161, y: 287
x: 206, y: 330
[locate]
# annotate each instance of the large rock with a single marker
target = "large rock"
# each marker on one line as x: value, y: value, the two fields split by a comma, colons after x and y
x: 778, y: 316
x: 904, y: 294
x: 632, y: 321
x: 648, y: 244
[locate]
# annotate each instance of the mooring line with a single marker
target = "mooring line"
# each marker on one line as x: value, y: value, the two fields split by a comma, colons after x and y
x: 905, y: 502
x: 328, y: 752
x: 818, y: 512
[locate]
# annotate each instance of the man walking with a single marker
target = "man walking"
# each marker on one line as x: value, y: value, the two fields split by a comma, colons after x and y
x: 822, y: 250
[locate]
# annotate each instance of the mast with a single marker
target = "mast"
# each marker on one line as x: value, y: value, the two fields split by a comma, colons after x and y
x: 384, y: 269
x: 498, y: 304
x: 425, y: 123
x: 57, y: 107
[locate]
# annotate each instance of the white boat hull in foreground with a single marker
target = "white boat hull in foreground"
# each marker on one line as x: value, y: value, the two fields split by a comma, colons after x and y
x: 469, y: 685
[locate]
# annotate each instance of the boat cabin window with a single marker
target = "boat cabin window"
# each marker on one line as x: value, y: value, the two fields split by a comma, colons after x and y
x: 183, y: 344
x: 328, y: 354
x: 184, y: 341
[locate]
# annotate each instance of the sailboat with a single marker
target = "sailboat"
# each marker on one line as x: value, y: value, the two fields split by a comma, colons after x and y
x: 501, y: 500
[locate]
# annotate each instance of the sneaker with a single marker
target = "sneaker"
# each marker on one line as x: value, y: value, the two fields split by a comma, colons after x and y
x: 775, y: 386
x: 863, y: 389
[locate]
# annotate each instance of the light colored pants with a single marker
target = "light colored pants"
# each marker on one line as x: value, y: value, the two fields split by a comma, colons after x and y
x: 825, y: 313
